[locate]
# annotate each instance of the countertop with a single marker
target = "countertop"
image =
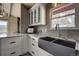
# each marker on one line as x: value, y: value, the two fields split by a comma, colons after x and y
x: 36, y: 36
x: 6, y: 35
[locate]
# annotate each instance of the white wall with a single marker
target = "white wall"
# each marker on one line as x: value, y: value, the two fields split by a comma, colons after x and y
x: 16, y: 10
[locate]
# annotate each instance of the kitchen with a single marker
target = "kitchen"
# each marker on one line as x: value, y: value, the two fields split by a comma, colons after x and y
x: 39, y: 29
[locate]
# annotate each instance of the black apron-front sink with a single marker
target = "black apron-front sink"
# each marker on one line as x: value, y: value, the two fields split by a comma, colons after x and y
x: 56, y: 48
x: 65, y: 43
x: 47, y: 39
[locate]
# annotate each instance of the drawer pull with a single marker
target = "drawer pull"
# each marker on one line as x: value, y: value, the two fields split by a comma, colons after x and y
x: 33, y: 52
x: 33, y: 38
x: 12, y: 42
x: 12, y: 53
x: 33, y: 44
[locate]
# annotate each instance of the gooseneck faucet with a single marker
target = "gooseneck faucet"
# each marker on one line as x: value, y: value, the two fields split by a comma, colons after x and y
x: 57, y: 28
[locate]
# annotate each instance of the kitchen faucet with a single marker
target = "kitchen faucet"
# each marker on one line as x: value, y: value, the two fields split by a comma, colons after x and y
x: 57, y: 29
x: 59, y: 35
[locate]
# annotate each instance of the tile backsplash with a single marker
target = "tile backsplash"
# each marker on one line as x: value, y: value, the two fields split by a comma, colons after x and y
x: 72, y: 35
x: 53, y: 33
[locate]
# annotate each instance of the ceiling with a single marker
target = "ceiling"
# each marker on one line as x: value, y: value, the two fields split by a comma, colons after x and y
x: 28, y: 5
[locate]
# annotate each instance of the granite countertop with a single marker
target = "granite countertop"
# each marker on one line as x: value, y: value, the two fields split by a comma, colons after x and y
x: 6, y: 35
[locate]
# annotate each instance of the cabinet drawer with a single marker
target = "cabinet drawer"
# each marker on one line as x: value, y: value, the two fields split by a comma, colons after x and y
x: 34, y: 44
x: 34, y: 51
x: 15, y: 51
x: 10, y: 42
x: 33, y: 41
x: 34, y: 47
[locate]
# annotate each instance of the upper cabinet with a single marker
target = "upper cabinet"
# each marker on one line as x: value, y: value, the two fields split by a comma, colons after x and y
x: 5, y: 9
x: 65, y: 16
x: 37, y: 14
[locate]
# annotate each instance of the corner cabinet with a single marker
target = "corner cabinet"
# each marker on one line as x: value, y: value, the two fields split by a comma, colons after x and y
x: 37, y: 15
x: 65, y: 17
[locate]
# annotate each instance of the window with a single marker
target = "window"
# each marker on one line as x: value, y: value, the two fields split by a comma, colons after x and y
x: 3, y: 26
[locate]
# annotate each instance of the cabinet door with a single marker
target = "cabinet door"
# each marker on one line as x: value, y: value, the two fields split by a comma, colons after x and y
x: 38, y: 17
x: 15, y: 51
x: 29, y: 44
x: 39, y: 14
x: 7, y: 8
x: 33, y: 47
x: 35, y: 16
x: 34, y: 50
x: 31, y: 17
x: 24, y: 44
x: 11, y: 46
x: 10, y: 42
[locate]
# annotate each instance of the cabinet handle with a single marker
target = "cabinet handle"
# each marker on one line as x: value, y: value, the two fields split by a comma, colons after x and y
x: 33, y: 52
x: 33, y: 44
x: 12, y: 53
x: 12, y: 42
x: 33, y: 38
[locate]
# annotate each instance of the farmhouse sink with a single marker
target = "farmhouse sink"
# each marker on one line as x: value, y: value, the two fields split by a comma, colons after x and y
x: 57, y: 47
x: 60, y: 42
x: 65, y: 43
x: 47, y: 39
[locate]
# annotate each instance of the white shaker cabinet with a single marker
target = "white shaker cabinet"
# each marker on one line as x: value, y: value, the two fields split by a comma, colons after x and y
x: 10, y: 46
x: 37, y: 14
x: 34, y: 49
x: 33, y: 46
x: 13, y: 45
x: 24, y: 44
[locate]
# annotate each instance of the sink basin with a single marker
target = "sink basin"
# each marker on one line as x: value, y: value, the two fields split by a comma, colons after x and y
x: 47, y: 39
x: 56, y: 47
x: 65, y: 43
x: 60, y: 42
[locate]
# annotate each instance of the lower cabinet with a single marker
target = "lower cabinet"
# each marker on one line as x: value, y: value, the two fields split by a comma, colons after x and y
x: 10, y: 46
x: 24, y: 44
x: 13, y: 46
x: 33, y: 47
x: 35, y: 50
x: 15, y: 51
